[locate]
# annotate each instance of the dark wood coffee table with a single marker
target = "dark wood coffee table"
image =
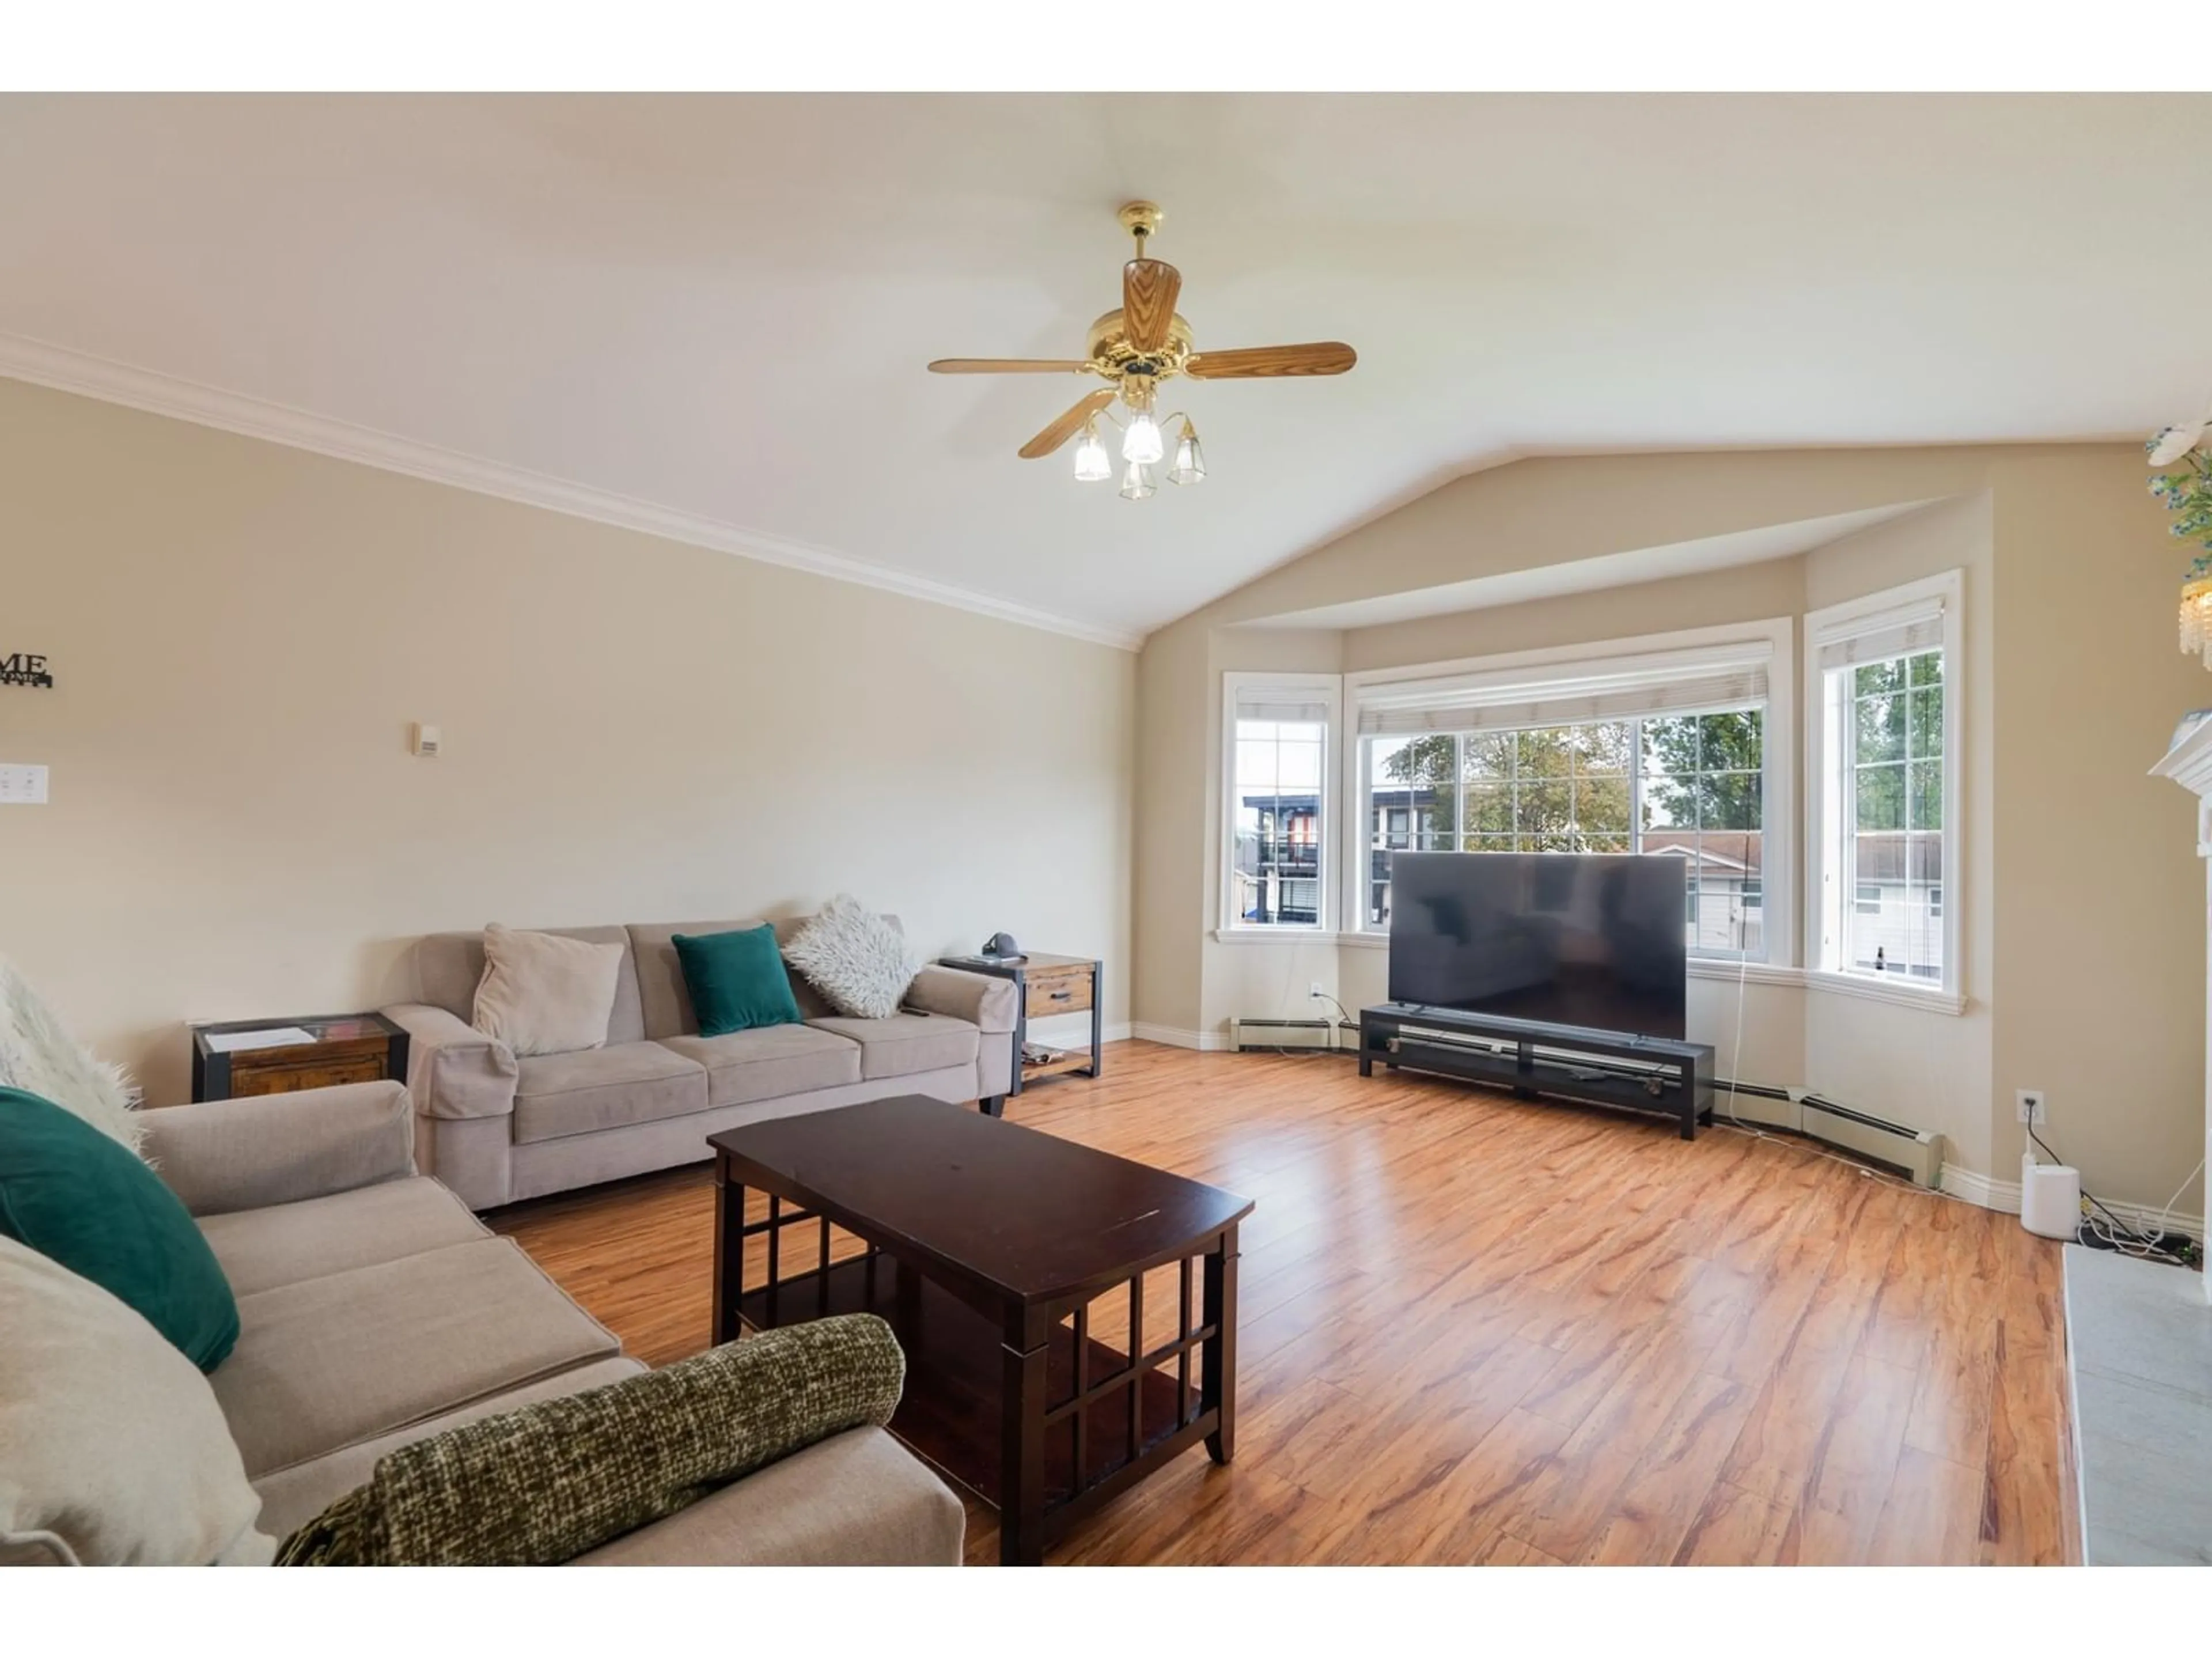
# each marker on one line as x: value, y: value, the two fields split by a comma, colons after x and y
x: 987, y: 1243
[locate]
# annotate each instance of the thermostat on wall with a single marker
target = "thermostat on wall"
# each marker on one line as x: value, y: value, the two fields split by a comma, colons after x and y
x: 425, y: 742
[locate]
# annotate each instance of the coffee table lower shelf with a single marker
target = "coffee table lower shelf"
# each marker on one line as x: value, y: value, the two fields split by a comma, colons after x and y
x: 951, y: 1414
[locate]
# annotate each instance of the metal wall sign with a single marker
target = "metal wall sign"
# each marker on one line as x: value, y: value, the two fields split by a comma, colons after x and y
x: 23, y: 668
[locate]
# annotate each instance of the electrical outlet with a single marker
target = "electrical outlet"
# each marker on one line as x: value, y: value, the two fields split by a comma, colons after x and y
x: 2029, y: 1103
x: 1314, y: 992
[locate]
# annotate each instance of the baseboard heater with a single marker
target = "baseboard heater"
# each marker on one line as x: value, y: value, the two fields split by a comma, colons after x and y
x: 1912, y: 1152
x: 1269, y: 1036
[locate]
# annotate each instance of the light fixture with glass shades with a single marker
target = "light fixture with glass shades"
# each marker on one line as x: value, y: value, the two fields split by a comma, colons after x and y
x: 1133, y: 349
x: 1190, y: 466
x: 1091, y: 465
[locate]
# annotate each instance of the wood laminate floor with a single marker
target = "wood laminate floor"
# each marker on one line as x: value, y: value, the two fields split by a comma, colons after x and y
x: 1478, y: 1330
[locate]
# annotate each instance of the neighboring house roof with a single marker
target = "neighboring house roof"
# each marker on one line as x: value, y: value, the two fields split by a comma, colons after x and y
x: 1293, y: 805
x: 1723, y: 852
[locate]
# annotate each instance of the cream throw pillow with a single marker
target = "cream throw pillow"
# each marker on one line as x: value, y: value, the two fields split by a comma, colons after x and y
x: 39, y: 1058
x: 543, y: 994
x: 860, y: 961
x: 112, y: 1449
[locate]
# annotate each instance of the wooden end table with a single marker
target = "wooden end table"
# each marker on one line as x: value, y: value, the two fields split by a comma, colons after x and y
x: 986, y: 1244
x: 1045, y: 987
x: 340, y: 1048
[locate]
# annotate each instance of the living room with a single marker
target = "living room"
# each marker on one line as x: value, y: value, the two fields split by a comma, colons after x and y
x: 1565, y: 924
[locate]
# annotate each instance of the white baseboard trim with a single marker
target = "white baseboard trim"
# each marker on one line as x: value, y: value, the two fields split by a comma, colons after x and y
x: 2004, y: 1196
x: 1977, y: 1188
x: 1208, y: 1042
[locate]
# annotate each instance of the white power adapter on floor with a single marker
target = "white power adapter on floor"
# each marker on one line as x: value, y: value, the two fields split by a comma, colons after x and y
x: 2050, y: 1198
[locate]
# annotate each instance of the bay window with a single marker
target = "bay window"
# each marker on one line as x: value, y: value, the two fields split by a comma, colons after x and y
x: 1659, y: 752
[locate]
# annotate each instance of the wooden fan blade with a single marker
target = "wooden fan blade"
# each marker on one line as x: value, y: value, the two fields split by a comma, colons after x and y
x: 1066, y: 426
x: 1322, y: 357
x: 1149, y: 288
x: 1006, y: 366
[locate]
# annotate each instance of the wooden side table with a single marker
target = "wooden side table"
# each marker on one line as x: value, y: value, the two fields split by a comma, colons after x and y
x: 339, y: 1048
x: 1045, y: 987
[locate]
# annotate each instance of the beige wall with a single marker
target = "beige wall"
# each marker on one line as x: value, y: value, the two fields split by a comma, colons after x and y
x: 634, y: 730
x: 2099, y: 936
x: 2072, y: 684
x: 1932, y: 1070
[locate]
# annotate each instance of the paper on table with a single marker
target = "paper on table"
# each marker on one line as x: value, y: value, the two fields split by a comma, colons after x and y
x: 275, y: 1036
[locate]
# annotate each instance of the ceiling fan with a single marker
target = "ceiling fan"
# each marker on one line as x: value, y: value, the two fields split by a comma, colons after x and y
x: 1133, y: 349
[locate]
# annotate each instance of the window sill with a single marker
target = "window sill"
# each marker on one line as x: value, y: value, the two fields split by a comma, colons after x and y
x: 1275, y: 936
x: 1928, y: 999
x: 1730, y: 970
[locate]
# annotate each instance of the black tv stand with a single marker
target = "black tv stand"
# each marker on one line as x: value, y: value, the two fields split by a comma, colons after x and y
x: 1534, y: 1059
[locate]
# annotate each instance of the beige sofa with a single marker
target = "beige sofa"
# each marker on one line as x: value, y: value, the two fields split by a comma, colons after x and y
x: 375, y: 1309
x: 497, y: 1129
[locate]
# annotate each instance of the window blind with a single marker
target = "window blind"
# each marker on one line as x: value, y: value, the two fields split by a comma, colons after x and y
x: 1877, y: 638
x: 1278, y: 704
x: 1573, y: 694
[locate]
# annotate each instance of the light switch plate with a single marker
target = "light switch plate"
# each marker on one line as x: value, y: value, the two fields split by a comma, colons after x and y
x: 22, y: 785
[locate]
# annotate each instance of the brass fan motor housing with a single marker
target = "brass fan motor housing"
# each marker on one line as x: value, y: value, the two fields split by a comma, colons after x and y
x: 1112, y: 356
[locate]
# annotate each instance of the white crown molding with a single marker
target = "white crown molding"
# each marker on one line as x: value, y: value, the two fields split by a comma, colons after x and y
x: 65, y: 370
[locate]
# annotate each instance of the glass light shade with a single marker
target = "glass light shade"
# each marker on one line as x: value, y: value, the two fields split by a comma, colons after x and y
x: 2196, y: 618
x: 1091, y: 465
x: 1137, y: 484
x: 1141, y: 443
x: 1190, y: 466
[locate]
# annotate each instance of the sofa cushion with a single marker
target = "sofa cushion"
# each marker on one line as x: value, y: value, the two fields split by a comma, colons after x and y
x: 771, y: 1062
x: 540, y: 1484
x: 260, y: 1250
x: 906, y: 1043
x: 861, y: 962
x: 666, y: 1006
x: 331, y: 1361
x: 544, y: 994
x: 113, y: 1450
x: 737, y: 980
x: 558, y: 1095
x: 450, y: 966
x: 857, y: 1500
x: 77, y: 1196
x: 294, y: 1496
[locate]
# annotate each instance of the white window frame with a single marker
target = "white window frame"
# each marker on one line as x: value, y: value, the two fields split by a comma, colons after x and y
x: 1777, y: 790
x: 1240, y: 690
x: 1824, y: 897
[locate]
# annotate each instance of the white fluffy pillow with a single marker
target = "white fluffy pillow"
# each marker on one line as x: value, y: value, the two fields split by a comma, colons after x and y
x: 543, y: 994
x: 860, y: 961
x: 112, y: 1449
x: 39, y: 1058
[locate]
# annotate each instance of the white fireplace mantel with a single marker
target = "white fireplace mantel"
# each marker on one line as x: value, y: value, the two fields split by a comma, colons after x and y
x: 2189, y: 763
x: 2139, y: 1346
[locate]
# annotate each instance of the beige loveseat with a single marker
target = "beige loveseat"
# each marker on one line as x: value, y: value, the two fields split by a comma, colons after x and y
x: 497, y: 1129
x: 374, y: 1310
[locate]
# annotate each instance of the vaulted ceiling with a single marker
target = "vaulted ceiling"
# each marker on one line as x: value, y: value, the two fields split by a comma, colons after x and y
x: 716, y: 310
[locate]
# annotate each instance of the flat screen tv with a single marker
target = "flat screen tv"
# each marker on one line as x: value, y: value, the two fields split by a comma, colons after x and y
x: 1596, y: 940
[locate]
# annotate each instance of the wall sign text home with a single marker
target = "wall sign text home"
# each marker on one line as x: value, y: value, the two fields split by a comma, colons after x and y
x: 22, y: 668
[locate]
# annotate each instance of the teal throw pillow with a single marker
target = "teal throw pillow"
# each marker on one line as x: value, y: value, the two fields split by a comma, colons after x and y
x: 737, y: 980
x: 81, y: 1199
